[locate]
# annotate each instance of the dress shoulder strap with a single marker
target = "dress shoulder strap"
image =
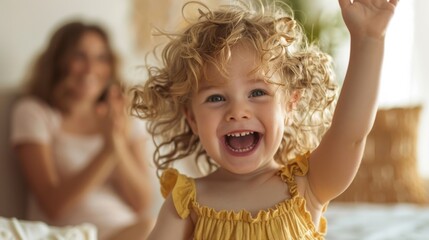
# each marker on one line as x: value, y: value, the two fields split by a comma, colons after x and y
x: 182, y: 189
x: 295, y: 167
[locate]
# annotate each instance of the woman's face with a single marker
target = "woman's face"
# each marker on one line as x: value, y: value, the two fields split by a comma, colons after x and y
x: 89, y: 69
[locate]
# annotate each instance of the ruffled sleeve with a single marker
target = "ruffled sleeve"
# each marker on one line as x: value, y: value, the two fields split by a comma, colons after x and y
x: 299, y: 167
x: 295, y: 167
x: 182, y: 189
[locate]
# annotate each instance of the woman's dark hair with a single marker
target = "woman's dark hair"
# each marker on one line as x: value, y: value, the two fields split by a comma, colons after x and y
x: 51, y: 67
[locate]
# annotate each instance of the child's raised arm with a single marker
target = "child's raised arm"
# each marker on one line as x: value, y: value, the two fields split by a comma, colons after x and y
x: 335, y: 162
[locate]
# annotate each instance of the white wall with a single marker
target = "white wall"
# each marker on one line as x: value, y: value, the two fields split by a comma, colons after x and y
x: 420, y: 75
x: 26, y: 25
x: 397, y: 84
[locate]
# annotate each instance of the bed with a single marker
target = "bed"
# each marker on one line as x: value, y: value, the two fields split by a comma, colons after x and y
x: 365, y: 221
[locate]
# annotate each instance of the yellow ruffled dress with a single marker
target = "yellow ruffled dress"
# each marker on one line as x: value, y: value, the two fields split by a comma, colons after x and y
x: 287, y: 220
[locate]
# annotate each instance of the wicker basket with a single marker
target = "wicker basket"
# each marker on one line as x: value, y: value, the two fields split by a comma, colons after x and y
x: 388, y: 173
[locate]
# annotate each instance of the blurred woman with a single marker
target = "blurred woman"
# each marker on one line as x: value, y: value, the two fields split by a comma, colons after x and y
x: 82, y: 157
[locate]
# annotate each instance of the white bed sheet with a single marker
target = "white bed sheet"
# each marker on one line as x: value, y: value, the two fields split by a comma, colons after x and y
x: 377, y: 221
x: 14, y: 229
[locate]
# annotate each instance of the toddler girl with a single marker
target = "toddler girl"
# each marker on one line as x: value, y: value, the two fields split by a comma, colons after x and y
x: 242, y: 88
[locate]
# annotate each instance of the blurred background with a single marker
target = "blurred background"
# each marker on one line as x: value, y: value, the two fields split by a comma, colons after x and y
x: 25, y: 27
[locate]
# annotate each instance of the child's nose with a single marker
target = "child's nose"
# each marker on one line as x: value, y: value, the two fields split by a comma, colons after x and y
x: 238, y: 111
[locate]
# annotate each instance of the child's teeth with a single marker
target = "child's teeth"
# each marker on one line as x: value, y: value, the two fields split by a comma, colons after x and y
x: 239, y: 134
x: 243, y: 149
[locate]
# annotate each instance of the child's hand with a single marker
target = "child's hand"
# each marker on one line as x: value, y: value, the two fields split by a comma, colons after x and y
x: 367, y: 18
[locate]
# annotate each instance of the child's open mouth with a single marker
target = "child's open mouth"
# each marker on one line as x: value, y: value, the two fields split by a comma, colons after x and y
x: 242, y: 142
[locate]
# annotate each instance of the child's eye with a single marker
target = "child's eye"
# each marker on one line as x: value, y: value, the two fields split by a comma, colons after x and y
x: 215, y: 98
x: 257, y: 93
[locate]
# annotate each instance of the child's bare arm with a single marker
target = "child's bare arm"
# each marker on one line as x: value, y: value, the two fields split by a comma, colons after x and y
x: 335, y: 162
x: 169, y: 225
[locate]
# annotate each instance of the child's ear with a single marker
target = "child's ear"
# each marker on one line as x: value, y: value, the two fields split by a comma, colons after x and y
x: 190, y: 118
x: 293, y: 99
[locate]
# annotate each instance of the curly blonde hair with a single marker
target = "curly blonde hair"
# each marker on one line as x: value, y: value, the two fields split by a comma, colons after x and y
x: 283, y: 50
